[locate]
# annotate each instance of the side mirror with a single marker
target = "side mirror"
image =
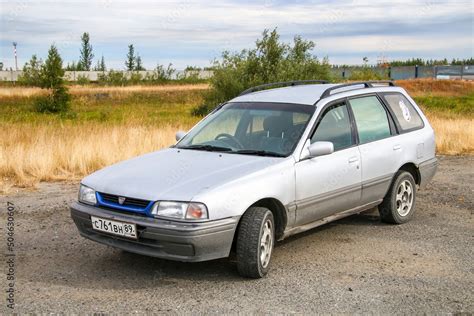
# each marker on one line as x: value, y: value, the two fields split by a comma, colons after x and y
x: 179, y: 135
x: 320, y: 149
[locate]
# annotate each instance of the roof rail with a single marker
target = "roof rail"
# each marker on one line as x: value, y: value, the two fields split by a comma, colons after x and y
x: 366, y: 84
x: 282, y: 84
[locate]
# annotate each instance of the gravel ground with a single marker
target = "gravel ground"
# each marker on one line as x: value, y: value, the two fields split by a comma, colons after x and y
x: 355, y: 265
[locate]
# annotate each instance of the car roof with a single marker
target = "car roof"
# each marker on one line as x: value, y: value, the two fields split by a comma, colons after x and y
x: 300, y: 94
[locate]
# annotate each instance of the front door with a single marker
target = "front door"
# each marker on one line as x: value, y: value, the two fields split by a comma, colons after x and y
x: 329, y: 184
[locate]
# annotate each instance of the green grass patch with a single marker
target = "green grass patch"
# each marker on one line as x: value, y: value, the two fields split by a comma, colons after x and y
x: 448, y: 105
x: 144, y: 108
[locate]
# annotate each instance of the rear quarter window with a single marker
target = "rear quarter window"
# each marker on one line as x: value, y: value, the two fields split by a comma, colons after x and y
x: 406, y: 116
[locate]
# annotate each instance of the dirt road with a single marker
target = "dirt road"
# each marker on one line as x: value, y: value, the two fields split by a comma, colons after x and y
x: 355, y: 265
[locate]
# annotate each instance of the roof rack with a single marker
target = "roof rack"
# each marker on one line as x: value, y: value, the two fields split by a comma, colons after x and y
x: 366, y: 84
x: 282, y: 84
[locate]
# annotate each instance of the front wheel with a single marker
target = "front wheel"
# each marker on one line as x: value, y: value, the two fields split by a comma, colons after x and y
x: 398, y: 205
x: 255, y: 241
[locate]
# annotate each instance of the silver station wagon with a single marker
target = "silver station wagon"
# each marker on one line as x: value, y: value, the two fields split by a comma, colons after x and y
x: 277, y: 160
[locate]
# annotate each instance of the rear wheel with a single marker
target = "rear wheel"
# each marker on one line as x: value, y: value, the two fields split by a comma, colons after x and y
x: 255, y: 241
x: 398, y: 205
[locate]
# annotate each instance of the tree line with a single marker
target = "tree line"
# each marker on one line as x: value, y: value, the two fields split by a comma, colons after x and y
x: 431, y: 62
x: 133, y: 63
x: 133, y: 60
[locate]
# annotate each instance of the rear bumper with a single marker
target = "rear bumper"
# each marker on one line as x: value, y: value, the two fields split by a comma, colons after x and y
x: 171, y: 240
x: 427, y: 171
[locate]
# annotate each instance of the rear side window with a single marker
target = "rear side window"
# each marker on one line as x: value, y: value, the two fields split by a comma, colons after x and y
x: 371, y: 119
x: 405, y: 114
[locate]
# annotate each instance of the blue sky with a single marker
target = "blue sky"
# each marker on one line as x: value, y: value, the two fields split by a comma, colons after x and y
x: 191, y: 32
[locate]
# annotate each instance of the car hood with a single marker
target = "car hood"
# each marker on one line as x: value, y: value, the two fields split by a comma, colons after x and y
x: 175, y: 174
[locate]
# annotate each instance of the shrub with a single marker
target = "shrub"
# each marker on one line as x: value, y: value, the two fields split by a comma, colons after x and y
x: 190, y: 76
x: 114, y: 78
x: 160, y: 74
x: 270, y: 61
x: 135, y: 78
x: 31, y: 74
x: 83, y: 80
x: 366, y: 73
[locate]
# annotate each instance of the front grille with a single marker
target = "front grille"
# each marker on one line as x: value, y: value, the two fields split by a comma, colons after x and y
x: 111, y: 199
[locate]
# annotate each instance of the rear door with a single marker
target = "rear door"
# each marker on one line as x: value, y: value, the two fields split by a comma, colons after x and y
x: 379, y: 146
x: 329, y: 184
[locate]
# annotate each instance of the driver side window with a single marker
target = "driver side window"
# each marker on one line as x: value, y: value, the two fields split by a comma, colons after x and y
x: 334, y: 126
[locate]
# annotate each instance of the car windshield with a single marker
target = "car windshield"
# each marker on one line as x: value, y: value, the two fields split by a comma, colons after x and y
x: 265, y: 129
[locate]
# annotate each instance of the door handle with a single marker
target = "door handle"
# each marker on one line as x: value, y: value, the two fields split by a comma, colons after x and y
x: 397, y: 147
x: 353, y: 159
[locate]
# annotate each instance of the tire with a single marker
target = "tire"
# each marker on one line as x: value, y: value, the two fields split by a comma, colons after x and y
x: 257, y: 229
x: 398, y: 205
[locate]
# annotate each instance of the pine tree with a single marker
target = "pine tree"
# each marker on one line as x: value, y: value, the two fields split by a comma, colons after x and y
x: 138, y: 63
x: 52, y: 71
x: 72, y: 67
x: 130, y: 62
x: 102, y: 64
x: 51, y: 78
x: 85, y: 60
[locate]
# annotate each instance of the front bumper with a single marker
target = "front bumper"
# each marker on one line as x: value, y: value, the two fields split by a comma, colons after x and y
x: 159, y: 238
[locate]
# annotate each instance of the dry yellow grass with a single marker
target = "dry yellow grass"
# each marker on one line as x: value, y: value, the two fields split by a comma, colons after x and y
x: 137, y: 88
x: 29, y: 154
x: 19, y: 91
x: 453, y: 136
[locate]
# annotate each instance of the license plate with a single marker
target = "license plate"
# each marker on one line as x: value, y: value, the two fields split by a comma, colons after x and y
x: 113, y: 227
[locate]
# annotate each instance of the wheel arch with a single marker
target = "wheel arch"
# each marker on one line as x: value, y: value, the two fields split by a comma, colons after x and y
x: 279, y: 214
x: 413, y: 170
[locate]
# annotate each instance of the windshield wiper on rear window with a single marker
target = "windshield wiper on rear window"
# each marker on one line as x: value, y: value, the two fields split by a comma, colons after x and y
x: 258, y: 153
x: 205, y: 147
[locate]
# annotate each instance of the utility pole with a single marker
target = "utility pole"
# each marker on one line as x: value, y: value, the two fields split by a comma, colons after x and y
x: 16, y: 58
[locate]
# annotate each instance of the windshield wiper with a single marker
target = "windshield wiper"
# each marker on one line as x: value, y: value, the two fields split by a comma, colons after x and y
x: 258, y: 153
x: 205, y: 147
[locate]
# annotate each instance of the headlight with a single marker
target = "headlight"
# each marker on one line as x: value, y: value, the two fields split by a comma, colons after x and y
x: 180, y: 210
x: 87, y: 195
